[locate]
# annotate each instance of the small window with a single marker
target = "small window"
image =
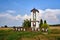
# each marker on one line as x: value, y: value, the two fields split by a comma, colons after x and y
x: 34, y: 24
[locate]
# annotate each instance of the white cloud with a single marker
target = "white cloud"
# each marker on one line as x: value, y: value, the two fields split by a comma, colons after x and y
x: 53, y: 11
x: 7, y: 14
x: 18, y: 17
x: 26, y: 17
x: 2, y: 15
x: 9, y: 19
x: 10, y: 11
x: 41, y: 14
x: 51, y: 15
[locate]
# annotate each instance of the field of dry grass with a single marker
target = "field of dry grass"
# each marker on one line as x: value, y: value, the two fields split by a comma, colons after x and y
x: 6, y: 28
x: 56, y: 27
x: 14, y: 35
x: 51, y: 27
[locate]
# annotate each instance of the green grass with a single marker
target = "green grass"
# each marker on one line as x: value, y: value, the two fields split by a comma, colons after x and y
x: 17, y: 35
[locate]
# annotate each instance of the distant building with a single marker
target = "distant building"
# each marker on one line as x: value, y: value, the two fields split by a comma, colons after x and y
x: 34, y: 19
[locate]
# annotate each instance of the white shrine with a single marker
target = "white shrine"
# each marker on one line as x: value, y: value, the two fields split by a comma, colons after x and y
x: 34, y: 19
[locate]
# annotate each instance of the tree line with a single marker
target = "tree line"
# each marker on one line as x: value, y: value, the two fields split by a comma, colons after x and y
x: 27, y: 23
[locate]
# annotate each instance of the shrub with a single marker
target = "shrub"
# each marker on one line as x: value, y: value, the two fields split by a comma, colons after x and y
x: 45, y: 26
x: 5, y: 26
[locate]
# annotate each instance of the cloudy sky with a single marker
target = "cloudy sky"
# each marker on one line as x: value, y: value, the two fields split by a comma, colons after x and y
x: 13, y: 12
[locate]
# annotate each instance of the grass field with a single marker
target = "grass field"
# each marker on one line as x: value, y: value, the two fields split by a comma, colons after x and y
x: 9, y: 34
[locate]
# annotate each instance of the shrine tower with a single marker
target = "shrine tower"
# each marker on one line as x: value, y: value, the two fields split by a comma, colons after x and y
x: 34, y: 19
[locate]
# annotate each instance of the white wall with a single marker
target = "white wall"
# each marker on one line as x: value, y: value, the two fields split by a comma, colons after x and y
x: 37, y: 25
x: 37, y: 18
x: 31, y: 16
x: 31, y: 25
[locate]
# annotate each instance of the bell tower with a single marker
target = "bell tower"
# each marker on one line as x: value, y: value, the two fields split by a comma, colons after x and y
x: 34, y: 19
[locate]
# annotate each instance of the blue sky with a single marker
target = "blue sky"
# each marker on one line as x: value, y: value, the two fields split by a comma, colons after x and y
x: 21, y: 8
